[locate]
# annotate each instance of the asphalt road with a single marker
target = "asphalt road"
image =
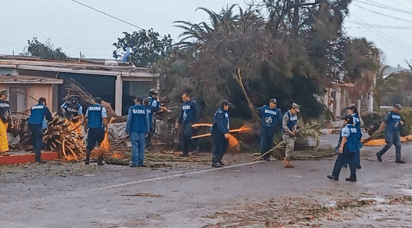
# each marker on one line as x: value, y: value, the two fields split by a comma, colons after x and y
x: 141, y: 197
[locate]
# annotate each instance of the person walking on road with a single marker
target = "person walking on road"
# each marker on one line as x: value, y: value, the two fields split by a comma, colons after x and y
x: 220, y: 133
x: 270, y: 118
x: 137, y: 127
x: 188, y: 116
x: 39, y: 112
x: 96, y: 116
x: 5, y: 118
x: 289, y: 123
x: 347, y: 148
x: 353, y: 111
x: 392, y: 122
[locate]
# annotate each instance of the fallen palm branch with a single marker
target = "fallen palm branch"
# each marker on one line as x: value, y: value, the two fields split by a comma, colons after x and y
x: 202, y: 125
x: 243, y: 129
x: 60, y: 136
x: 376, y: 135
x: 302, y: 132
x: 252, y: 107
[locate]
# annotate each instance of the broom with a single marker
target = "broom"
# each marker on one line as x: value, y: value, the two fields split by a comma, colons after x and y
x: 105, y: 145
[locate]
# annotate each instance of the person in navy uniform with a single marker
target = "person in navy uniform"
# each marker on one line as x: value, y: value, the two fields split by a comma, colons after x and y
x: 96, y: 116
x: 289, y: 126
x: 148, y: 107
x: 39, y: 112
x: 347, y: 147
x: 270, y: 118
x: 154, y: 108
x: 353, y: 111
x: 220, y: 133
x: 188, y: 116
x: 392, y: 123
x: 72, y: 110
x: 137, y: 127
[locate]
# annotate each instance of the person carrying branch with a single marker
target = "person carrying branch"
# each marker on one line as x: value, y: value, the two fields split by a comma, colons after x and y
x: 392, y: 122
x: 347, y: 148
x: 220, y: 133
x: 39, y: 112
x: 96, y: 116
x: 270, y: 118
x: 5, y: 118
x: 289, y: 123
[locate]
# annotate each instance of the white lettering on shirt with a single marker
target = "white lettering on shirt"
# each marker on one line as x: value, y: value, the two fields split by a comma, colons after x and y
x: 95, y: 108
x: 270, y: 112
x: 186, y: 107
x: 293, y: 118
x: 37, y: 107
x: 138, y: 111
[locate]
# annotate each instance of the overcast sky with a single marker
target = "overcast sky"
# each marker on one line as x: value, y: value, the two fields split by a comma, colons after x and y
x: 76, y: 28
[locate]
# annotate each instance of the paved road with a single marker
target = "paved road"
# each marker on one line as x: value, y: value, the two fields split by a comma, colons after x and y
x: 181, y: 198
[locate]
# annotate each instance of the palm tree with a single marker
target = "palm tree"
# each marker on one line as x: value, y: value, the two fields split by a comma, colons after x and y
x: 224, y: 21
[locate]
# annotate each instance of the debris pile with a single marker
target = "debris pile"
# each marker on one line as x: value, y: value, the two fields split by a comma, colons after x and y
x: 61, y: 137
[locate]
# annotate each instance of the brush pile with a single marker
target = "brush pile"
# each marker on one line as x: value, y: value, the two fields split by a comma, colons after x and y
x: 304, y: 131
x: 61, y: 137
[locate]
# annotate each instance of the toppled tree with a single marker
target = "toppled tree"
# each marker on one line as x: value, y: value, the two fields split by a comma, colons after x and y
x: 291, y: 55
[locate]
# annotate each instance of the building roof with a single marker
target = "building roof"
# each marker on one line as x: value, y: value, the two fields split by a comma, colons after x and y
x: 32, y: 80
x: 82, y: 66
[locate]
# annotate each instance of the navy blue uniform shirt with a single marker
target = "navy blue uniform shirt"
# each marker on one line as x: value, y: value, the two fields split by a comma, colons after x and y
x: 38, y: 113
x: 392, y: 121
x: 137, y: 120
x: 221, y: 121
x: 352, y: 142
x: 190, y: 113
x: 155, y: 104
x: 149, y: 112
x: 270, y: 117
x: 95, y: 114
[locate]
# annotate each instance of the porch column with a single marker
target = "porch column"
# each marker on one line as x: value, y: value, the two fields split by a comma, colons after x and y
x: 370, y: 100
x: 118, y: 95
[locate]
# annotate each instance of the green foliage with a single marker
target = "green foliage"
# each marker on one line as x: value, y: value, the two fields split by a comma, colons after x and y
x: 276, y: 58
x: 44, y: 50
x: 146, y: 47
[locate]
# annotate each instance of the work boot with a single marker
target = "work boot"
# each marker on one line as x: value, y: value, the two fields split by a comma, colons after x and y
x: 267, y: 159
x: 399, y: 158
x: 195, y: 151
x: 332, y: 177
x: 38, y: 158
x: 221, y: 163
x: 216, y: 165
x: 287, y: 163
x: 400, y: 161
x: 87, y: 161
x: 351, y: 179
x: 379, y: 157
x: 100, y: 160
